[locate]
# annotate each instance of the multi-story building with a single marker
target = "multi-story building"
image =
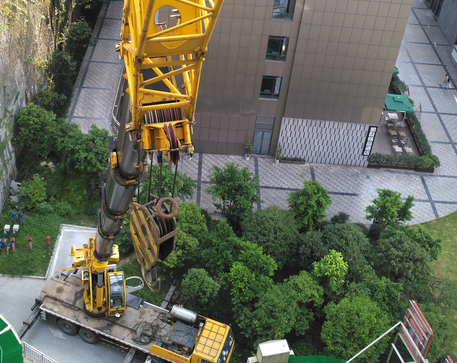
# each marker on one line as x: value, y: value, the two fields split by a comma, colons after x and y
x: 311, y: 75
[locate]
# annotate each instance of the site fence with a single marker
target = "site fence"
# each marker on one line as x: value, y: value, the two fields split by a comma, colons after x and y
x: 35, y: 355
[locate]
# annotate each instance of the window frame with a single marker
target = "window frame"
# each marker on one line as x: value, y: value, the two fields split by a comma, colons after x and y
x: 287, y: 14
x: 271, y: 94
x: 282, y: 51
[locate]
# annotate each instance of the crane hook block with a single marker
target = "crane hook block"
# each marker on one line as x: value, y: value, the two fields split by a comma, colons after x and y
x: 160, y: 210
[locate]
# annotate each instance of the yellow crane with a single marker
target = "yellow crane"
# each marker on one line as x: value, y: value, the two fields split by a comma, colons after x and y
x: 163, y: 45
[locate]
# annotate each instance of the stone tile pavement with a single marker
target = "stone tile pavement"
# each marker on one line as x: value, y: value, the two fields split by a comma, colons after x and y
x: 423, y: 60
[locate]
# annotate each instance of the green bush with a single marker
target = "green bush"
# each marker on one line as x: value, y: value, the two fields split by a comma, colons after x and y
x: 61, y: 71
x: 33, y: 193
x: 293, y: 159
x: 340, y: 218
x: 51, y: 101
x: 29, y: 130
x: 397, y: 85
x: 77, y: 38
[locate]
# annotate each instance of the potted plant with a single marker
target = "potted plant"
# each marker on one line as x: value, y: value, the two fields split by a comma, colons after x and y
x: 278, y: 154
x: 248, y: 148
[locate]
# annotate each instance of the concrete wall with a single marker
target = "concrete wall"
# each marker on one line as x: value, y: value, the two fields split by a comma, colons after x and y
x: 24, y: 38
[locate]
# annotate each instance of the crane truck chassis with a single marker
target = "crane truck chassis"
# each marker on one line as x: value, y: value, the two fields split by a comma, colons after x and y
x: 177, y: 335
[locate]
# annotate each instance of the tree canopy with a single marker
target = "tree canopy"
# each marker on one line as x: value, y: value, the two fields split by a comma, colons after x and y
x: 309, y: 204
x: 234, y: 192
x: 388, y: 209
x: 351, y: 325
x: 275, y: 230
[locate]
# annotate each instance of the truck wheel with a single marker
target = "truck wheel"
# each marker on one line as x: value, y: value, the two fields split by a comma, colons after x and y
x: 67, y: 327
x: 88, y: 336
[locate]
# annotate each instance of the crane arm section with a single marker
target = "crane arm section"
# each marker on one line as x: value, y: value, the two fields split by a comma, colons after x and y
x: 164, y: 43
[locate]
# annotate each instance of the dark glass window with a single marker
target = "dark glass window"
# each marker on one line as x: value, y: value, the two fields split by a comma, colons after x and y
x: 270, y: 87
x: 277, y: 48
x: 283, y: 9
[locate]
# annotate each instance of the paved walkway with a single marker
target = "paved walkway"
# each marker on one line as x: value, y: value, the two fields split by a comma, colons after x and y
x: 423, y: 60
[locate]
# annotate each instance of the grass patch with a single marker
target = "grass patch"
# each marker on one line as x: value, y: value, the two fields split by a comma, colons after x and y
x: 25, y: 262
x: 134, y: 269
x: 446, y: 228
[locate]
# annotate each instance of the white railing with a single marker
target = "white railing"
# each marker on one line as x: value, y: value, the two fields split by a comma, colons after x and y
x: 35, y: 355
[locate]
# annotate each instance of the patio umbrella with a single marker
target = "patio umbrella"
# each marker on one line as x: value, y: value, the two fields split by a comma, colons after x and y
x: 398, y: 103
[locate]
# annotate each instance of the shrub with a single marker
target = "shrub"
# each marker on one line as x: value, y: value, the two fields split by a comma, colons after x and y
x: 397, y: 85
x: 275, y: 230
x: 201, y: 288
x: 32, y: 193
x: 340, y: 218
x: 77, y: 38
x: 309, y: 204
x: 30, y: 132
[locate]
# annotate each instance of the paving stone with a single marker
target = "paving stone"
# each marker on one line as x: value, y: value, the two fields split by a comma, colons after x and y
x: 450, y: 122
x: 444, y: 209
x: 115, y: 10
x: 444, y: 100
x: 448, y: 159
x: 435, y: 35
x: 98, y: 77
x: 405, y: 183
x: 342, y: 179
x: 112, y: 30
x: 422, y: 53
x: 432, y: 127
x: 89, y: 104
x: 442, y: 189
x: 414, y: 33
x: 407, y: 68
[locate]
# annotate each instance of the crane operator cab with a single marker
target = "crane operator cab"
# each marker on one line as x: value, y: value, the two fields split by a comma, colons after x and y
x: 116, y: 292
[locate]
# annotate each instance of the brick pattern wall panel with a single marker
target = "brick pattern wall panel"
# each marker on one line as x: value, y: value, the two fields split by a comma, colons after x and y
x: 324, y: 142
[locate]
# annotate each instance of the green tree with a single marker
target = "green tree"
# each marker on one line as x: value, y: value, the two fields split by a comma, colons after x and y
x: 351, y: 325
x: 383, y: 291
x: 30, y: 132
x: 311, y: 248
x: 332, y: 269
x: 389, y: 210
x: 201, y: 289
x: 186, y: 249
x: 184, y: 186
x: 425, y: 240
x: 191, y: 221
x: 32, y: 192
x: 284, y: 308
x: 91, y: 153
x: 233, y: 191
x: 77, y: 38
x: 348, y: 239
x: 61, y: 72
x: 219, y: 250
x: 275, y: 231
x: 246, y: 285
x: 401, y: 259
x: 309, y: 204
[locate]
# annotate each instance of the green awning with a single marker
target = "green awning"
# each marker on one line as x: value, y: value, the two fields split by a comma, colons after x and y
x: 395, y: 70
x: 398, y: 103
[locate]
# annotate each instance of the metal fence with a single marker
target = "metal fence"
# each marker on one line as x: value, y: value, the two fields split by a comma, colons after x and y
x: 35, y: 355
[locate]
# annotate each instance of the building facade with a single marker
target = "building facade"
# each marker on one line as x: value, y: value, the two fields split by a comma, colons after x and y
x: 310, y: 75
